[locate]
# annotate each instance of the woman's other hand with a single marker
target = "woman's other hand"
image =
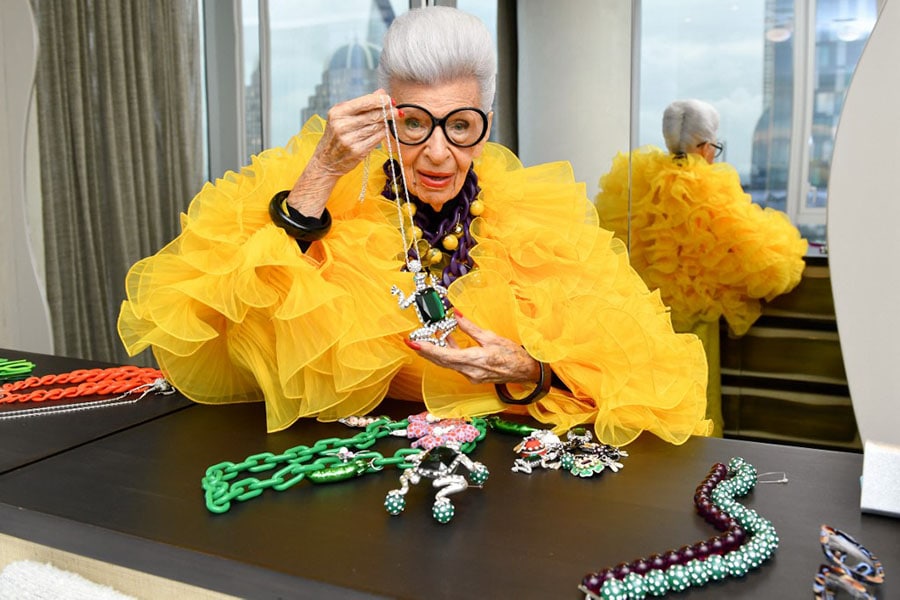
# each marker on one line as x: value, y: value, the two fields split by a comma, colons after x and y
x: 494, y: 359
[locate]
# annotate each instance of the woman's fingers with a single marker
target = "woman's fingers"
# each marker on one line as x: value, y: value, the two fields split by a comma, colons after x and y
x: 481, y: 336
x: 495, y: 360
x: 354, y: 128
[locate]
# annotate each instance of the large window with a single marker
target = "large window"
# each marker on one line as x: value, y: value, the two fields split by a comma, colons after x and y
x: 300, y: 57
x: 777, y: 71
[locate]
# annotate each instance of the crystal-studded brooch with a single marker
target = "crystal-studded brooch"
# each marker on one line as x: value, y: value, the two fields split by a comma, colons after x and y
x: 586, y: 458
x: 428, y: 300
x: 440, y: 464
x: 430, y: 431
x: 579, y: 454
x: 540, y: 448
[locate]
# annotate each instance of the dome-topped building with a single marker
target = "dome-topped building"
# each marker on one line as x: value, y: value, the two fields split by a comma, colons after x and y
x: 358, y: 55
x: 349, y: 73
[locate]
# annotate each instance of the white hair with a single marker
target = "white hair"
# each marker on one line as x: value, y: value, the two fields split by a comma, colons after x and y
x: 689, y: 123
x: 437, y: 44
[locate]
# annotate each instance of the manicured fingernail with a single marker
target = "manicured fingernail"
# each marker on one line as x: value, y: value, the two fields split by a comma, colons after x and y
x: 412, y: 344
x: 400, y: 112
x: 457, y: 312
x: 393, y: 102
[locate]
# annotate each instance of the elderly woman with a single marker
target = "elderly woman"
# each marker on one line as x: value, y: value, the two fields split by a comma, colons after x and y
x: 394, y: 252
x: 696, y: 236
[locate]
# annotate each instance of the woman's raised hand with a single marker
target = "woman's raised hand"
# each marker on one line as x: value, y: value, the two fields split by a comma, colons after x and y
x: 354, y: 128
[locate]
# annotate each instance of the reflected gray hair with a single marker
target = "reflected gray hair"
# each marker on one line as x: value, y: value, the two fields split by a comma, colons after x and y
x: 688, y: 123
x: 438, y: 44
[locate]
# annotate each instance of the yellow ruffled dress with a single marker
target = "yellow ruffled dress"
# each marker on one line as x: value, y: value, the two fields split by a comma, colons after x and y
x: 699, y: 239
x: 234, y: 311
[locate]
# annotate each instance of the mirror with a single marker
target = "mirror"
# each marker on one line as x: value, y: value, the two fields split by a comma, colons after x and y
x: 777, y: 73
x: 23, y: 315
x: 863, y: 186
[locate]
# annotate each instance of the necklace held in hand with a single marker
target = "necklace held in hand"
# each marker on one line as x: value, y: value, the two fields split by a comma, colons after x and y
x: 430, y: 297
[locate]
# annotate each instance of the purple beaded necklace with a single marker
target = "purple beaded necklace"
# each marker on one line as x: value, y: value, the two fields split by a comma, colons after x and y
x: 436, y: 225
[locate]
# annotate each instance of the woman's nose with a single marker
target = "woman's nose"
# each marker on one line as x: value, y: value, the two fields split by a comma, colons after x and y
x: 437, y: 147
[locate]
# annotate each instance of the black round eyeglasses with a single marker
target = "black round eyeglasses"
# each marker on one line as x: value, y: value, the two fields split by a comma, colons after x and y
x: 462, y: 127
x: 719, y: 146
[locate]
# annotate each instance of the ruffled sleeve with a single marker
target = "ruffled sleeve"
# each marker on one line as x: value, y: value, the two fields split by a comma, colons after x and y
x: 234, y: 311
x: 551, y: 279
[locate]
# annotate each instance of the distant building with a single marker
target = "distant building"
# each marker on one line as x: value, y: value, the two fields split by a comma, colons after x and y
x: 253, y: 114
x: 841, y: 34
x: 351, y: 72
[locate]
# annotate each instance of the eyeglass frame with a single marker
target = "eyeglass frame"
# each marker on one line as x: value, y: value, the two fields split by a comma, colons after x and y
x: 441, y: 122
x: 719, y: 146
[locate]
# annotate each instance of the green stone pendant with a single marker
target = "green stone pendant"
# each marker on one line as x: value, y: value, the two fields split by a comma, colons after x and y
x: 430, y: 306
x: 428, y: 301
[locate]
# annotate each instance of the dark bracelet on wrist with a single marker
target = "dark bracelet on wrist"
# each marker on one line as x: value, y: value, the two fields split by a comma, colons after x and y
x: 542, y: 389
x: 298, y: 226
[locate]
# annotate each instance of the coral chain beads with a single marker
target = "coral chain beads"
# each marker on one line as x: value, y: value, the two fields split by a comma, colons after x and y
x: 86, y: 382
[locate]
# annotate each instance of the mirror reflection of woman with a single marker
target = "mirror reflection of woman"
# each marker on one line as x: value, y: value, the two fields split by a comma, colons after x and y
x: 696, y: 236
x: 279, y: 286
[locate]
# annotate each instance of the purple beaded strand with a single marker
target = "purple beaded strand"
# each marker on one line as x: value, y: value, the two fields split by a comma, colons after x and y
x: 732, y: 538
x: 460, y: 263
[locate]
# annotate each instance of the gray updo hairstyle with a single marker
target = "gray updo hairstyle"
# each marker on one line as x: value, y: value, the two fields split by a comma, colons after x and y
x: 687, y: 123
x: 438, y: 44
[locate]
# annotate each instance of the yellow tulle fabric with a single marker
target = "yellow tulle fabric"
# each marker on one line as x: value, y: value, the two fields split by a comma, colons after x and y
x: 234, y: 311
x: 698, y: 238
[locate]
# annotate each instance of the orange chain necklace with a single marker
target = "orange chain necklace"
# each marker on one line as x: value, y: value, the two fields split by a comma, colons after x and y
x: 122, y: 381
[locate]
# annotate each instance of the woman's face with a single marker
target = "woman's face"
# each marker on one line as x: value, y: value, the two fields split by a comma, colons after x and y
x: 436, y: 169
x: 708, y: 152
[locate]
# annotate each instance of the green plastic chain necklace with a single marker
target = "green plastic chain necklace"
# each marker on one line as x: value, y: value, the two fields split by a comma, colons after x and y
x: 328, y: 460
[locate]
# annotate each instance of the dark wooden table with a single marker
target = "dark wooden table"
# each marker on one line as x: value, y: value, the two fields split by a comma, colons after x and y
x: 133, y: 497
x: 29, y: 439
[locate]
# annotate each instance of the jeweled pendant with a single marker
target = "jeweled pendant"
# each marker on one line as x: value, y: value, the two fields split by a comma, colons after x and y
x: 428, y: 301
x: 441, y: 465
x: 430, y: 306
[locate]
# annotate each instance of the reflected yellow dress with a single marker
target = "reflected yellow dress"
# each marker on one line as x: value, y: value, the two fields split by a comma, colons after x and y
x: 234, y: 311
x: 699, y: 239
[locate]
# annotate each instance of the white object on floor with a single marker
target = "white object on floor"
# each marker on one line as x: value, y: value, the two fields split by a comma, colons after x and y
x: 29, y: 580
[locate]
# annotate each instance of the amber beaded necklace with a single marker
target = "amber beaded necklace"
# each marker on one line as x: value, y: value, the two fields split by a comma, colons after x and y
x: 442, y: 239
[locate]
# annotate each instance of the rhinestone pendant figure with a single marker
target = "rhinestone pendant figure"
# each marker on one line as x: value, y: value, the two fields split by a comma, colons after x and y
x: 428, y: 301
x: 441, y: 465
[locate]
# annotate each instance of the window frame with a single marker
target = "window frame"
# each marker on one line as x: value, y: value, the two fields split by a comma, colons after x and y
x: 224, y: 76
x: 805, y: 47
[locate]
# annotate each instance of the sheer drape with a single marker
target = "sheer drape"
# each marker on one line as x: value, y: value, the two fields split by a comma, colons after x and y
x: 118, y: 91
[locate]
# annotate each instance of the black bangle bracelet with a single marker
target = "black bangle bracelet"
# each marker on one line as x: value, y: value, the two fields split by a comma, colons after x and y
x: 307, y: 229
x: 542, y: 389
